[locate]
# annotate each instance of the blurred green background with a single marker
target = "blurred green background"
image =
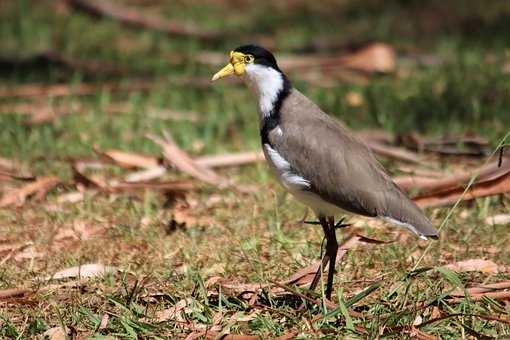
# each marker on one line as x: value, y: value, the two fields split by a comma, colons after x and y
x: 451, y: 76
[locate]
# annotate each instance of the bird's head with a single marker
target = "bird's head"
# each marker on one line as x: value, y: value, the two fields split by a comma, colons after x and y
x: 258, y: 67
x: 248, y: 60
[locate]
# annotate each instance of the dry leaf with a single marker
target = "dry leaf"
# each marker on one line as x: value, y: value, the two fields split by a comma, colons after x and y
x: 8, y: 164
x: 490, y: 172
x: 55, y: 333
x: 291, y: 334
x: 173, y: 313
x: 83, y: 271
x: 232, y: 159
x: 71, y: 197
x: 393, y: 152
x: 183, y: 162
x: 416, y: 333
x: 479, y: 265
x: 376, y: 57
x: 492, y: 180
x: 29, y: 253
x: 501, y: 219
x: 18, y: 196
x: 104, y: 321
x: 146, y: 175
x: 240, y: 337
x: 13, y: 292
x: 129, y: 160
x: 57, y: 90
x: 490, y: 287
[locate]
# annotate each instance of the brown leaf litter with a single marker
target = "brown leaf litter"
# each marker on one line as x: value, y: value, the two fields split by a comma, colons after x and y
x: 473, y: 265
x: 491, y: 181
x: 38, y: 189
x: 184, y: 163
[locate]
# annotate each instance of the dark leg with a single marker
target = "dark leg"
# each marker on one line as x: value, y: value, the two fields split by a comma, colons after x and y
x: 328, y: 226
x: 318, y: 273
x: 331, y: 252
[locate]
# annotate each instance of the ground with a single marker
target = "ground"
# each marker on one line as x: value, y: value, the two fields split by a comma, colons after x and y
x: 185, y: 264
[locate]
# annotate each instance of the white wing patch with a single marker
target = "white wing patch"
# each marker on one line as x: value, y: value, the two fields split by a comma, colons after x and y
x: 289, y: 179
x: 406, y: 225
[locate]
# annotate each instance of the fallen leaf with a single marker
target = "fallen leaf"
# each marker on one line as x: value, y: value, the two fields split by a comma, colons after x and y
x: 104, y: 321
x: 183, y: 162
x: 55, y: 333
x: 376, y: 57
x: 146, y: 175
x: 129, y: 160
x: 8, y: 164
x: 13, y: 292
x: 492, y: 180
x: 29, y: 253
x: 490, y: 287
x: 240, y: 337
x: 18, y: 196
x: 58, y: 90
x: 173, y: 313
x: 416, y: 333
x: 501, y: 219
x: 232, y: 159
x: 291, y: 334
x: 472, y: 265
x: 490, y: 172
x: 83, y: 271
x: 393, y: 152
x: 501, y: 295
x: 71, y: 197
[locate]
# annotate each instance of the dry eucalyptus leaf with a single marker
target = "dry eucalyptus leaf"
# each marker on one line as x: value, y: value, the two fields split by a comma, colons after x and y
x: 83, y: 271
x: 474, y: 265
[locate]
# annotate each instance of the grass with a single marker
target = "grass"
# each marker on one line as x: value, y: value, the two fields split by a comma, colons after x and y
x: 255, y: 236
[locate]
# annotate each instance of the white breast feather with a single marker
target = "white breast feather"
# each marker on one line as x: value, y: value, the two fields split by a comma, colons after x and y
x: 267, y: 83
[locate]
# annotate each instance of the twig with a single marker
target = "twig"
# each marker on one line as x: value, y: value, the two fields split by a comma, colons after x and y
x: 59, y: 90
x: 133, y: 17
x: 505, y: 295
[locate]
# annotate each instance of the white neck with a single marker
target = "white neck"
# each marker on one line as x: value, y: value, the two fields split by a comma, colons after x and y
x: 266, y: 83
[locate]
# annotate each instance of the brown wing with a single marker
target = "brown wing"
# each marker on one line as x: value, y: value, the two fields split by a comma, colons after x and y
x: 341, y: 168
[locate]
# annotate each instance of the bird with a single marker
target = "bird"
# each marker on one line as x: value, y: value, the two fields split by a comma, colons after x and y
x: 317, y: 158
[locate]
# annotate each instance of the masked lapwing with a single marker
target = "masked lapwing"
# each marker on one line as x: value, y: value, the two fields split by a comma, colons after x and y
x: 316, y: 158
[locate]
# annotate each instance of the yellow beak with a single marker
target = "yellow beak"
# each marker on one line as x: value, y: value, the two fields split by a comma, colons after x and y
x: 224, y: 72
x: 235, y: 66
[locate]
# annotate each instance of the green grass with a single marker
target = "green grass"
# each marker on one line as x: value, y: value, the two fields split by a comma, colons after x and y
x: 254, y: 236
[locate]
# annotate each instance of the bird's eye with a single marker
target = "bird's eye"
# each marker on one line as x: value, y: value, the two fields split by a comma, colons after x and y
x: 248, y: 59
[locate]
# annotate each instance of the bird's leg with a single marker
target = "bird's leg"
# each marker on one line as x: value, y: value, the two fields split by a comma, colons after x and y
x: 331, y: 252
x: 318, y: 273
x: 326, y: 258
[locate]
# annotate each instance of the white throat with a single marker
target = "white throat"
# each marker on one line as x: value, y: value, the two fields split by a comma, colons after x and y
x: 266, y: 83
